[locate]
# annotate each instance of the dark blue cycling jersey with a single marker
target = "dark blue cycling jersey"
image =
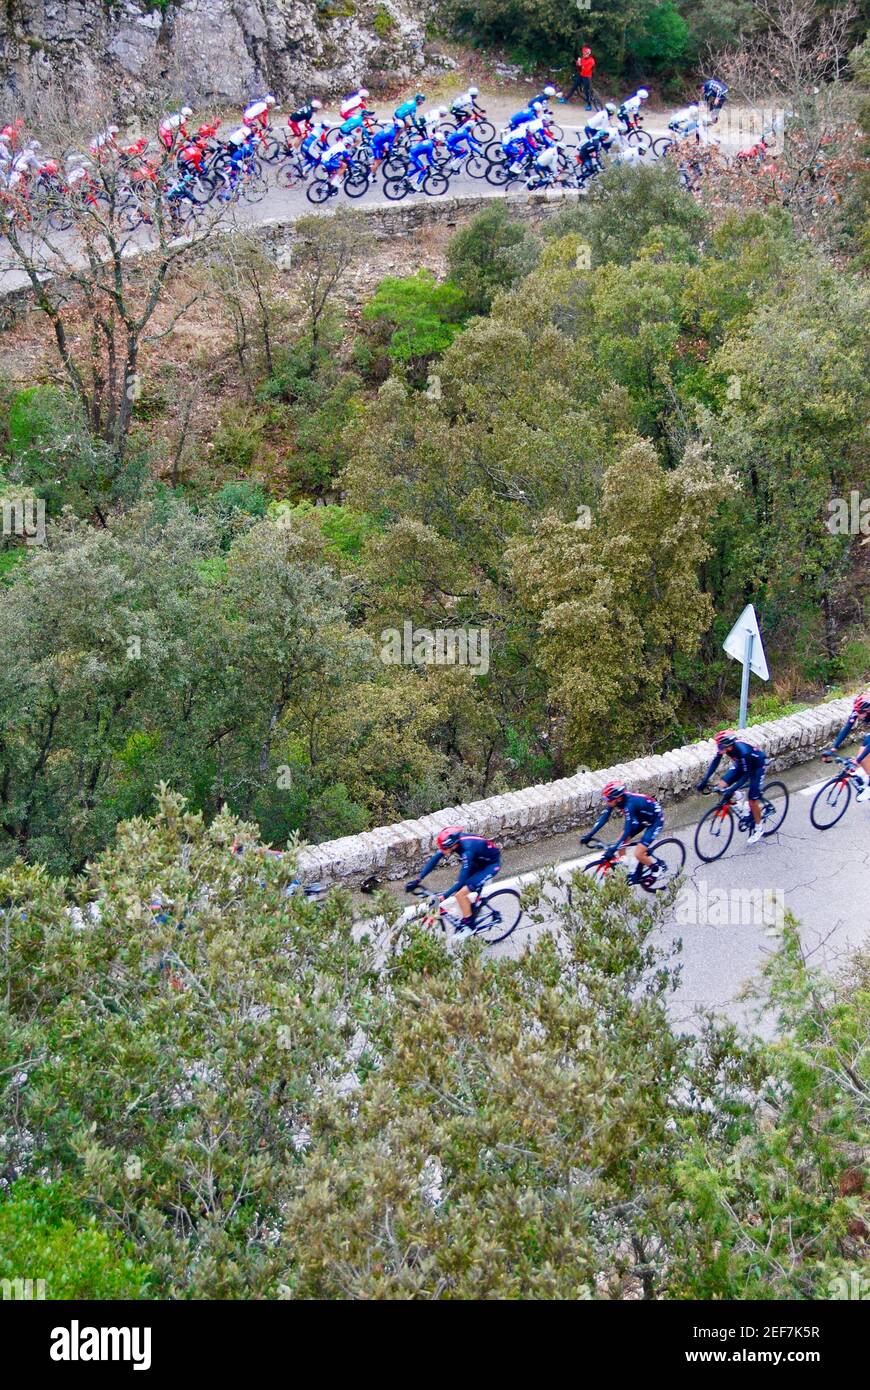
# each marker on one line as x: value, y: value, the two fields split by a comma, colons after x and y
x: 745, y: 758
x: 475, y: 852
x: 854, y: 718
x: 639, y: 812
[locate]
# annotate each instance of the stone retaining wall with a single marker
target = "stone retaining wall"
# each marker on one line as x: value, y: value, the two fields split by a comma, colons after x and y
x: 536, y: 812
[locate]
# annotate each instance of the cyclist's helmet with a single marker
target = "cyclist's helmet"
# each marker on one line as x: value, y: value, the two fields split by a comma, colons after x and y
x: 613, y: 791
x: 862, y: 704
x: 363, y: 92
x: 449, y: 836
x: 611, y: 108
x: 642, y: 93
x: 420, y: 97
x: 270, y: 100
x: 537, y: 106
x: 725, y: 738
x: 549, y: 91
x: 693, y: 110
x: 186, y: 111
x: 316, y: 105
x: 473, y: 91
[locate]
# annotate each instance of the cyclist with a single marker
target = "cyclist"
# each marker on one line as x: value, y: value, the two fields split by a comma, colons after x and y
x: 406, y: 114
x: 640, y: 813
x: 466, y: 105
x: 715, y: 94
x: 461, y: 142
x: 543, y: 97
x: 353, y: 103
x: 258, y: 112
x: 314, y: 144
x: 749, y: 763
x: 427, y: 123
x: 860, y: 713
x: 600, y: 121
x: 513, y: 142
x: 545, y: 169
x: 299, y: 122
x: 481, y: 861
x: 382, y: 146
x: 588, y: 156
x: 103, y: 142
x: 422, y: 157
x: 173, y: 126
x: 240, y: 146
x: 629, y: 110
x: 337, y: 157
x: 532, y: 112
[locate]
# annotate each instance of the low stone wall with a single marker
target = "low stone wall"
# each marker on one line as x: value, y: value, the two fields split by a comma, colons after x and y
x: 393, y: 851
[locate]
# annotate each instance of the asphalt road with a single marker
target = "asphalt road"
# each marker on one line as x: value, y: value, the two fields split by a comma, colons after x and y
x: 727, y: 929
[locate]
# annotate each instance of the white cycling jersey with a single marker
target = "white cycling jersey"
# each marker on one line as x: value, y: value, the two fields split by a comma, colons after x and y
x: 351, y: 105
x: 599, y: 121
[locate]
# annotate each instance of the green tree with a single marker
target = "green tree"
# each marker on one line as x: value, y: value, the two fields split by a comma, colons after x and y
x: 619, y: 600
x: 491, y: 253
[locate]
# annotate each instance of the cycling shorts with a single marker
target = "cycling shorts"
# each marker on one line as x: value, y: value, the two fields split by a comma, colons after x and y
x: 482, y: 876
x: 755, y: 778
x: 652, y: 832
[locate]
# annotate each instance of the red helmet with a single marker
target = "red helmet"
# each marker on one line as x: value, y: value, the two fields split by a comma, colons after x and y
x: 862, y: 704
x: 448, y: 836
x: 725, y: 738
x: 613, y: 791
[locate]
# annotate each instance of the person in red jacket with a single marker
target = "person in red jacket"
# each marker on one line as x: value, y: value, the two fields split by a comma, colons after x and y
x: 585, y: 66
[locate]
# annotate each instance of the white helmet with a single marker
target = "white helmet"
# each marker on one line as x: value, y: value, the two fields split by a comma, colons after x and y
x: 472, y: 91
x: 363, y: 92
x: 270, y: 100
x: 693, y: 110
x: 316, y: 105
x: 610, y: 108
x: 187, y: 111
x: 642, y: 93
x: 549, y: 91
x: 327, y: 123
x: 537, y: 106
x: 442, y: 110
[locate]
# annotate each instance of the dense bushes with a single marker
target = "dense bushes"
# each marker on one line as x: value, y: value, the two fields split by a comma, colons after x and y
x: 259, y: 1101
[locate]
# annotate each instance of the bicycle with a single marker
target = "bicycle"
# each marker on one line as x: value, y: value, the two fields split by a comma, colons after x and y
x: 831, y: 801
x: 496, y: 914
x: 668, y: 856
x: 715, y: 830
x: 434, y: 184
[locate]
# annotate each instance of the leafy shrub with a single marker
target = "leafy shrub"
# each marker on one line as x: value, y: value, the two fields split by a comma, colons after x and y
x: 415, y: 318
x: 46, y: 1234
x: 492, y: 253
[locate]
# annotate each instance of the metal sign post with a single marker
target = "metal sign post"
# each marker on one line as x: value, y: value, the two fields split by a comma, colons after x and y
x: 744, y: 644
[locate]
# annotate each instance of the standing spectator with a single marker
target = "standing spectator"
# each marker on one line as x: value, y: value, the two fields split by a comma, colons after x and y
x: 585, y: 66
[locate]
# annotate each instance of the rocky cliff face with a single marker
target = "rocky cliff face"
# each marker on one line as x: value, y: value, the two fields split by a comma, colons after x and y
x: 205, y: 50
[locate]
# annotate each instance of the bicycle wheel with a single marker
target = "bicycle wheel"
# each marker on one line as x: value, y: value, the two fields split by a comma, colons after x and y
x: 318, y: 191
x: 714, y: 833
x: 395, y: 167
x: 671, y: 855
x: 394, y: 189
x: 356, y: 183
x: 498, y: 915
x: 497, y: 174
x: 661, y: 145
x: 774, y: 807
x: 289, y: 174
x: 255, y: 188
x: 435, y: 184
x: 484, y: 131
x: 557, y: 132
x: 476, y: 166
x: 831, y: 802
x: 641, y: 138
